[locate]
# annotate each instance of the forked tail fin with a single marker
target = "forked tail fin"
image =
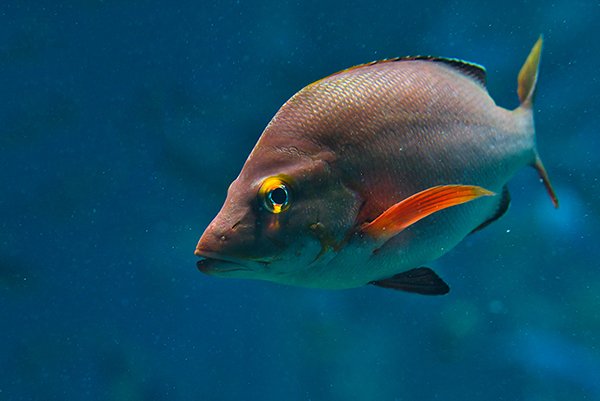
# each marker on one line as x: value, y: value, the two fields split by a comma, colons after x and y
x: 527, y: 84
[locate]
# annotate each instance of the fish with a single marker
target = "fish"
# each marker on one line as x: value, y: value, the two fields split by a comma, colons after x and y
x: 368, y: 175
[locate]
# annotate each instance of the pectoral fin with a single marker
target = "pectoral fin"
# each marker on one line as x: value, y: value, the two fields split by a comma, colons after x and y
x: 412, y: 209
x: 421, y: 280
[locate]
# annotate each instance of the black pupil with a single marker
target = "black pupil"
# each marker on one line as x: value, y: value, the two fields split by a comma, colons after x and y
x: 278, y: 196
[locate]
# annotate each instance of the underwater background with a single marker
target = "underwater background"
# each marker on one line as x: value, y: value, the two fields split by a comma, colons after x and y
x: 122, y: 124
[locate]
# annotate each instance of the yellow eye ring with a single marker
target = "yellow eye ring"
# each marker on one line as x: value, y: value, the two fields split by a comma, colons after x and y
x: 275, y: 194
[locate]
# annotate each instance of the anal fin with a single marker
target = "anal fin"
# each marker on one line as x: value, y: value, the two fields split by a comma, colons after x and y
x: 421, y: 280
x: 502, y: 208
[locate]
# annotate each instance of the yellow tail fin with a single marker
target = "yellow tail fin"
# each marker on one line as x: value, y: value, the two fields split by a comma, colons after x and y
x: 526, y: 90
x: 529, y: 73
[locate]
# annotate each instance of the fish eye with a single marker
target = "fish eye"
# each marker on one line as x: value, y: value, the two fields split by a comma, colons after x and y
x: 278, y: 196
x: 275, y: 194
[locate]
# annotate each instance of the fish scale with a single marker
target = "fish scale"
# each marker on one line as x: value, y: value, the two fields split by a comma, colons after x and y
x: 462, y: 110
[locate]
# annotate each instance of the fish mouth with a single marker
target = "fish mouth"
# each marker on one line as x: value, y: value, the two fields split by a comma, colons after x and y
x: 209, y: 266
x: 214, y: 263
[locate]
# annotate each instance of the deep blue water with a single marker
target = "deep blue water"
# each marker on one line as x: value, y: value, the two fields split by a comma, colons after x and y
x: 123, y: 123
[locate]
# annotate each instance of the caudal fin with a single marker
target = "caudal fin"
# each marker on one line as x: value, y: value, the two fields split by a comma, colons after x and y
x: 526, y: 91
x: 529, y: 73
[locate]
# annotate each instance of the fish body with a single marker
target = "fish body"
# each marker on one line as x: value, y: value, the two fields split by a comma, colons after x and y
x: 368, y: 174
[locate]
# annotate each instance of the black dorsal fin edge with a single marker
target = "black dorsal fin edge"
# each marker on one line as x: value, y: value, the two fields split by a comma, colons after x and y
x: 472, y: 70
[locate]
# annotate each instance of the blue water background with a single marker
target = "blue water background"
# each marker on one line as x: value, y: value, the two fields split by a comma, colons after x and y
x: 122, y: 124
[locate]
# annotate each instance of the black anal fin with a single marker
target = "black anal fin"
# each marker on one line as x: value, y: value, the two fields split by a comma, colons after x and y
x: 502, y: 208
x: 421, y: 280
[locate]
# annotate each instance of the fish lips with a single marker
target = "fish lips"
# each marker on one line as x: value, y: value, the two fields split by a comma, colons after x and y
x: 215, y: 264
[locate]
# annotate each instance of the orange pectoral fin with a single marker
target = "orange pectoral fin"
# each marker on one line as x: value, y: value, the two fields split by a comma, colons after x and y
x: 420, y: 205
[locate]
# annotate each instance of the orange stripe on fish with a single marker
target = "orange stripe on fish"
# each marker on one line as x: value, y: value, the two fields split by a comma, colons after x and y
x: 420, y: 205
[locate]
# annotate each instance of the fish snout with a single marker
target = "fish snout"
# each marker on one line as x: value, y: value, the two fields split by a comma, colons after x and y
x: 225, y: 249
x: 233, y: 238
x: 215, y: 239
x: 214, y: 250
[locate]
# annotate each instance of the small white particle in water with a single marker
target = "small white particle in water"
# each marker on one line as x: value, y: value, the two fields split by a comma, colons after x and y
x: 508, y: 230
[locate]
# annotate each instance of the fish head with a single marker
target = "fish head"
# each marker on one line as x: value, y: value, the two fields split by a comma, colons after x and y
x: 286, y: 208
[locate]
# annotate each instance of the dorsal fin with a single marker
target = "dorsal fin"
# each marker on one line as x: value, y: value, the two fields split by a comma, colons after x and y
x: 472, y: 70
x: 475, y: 71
